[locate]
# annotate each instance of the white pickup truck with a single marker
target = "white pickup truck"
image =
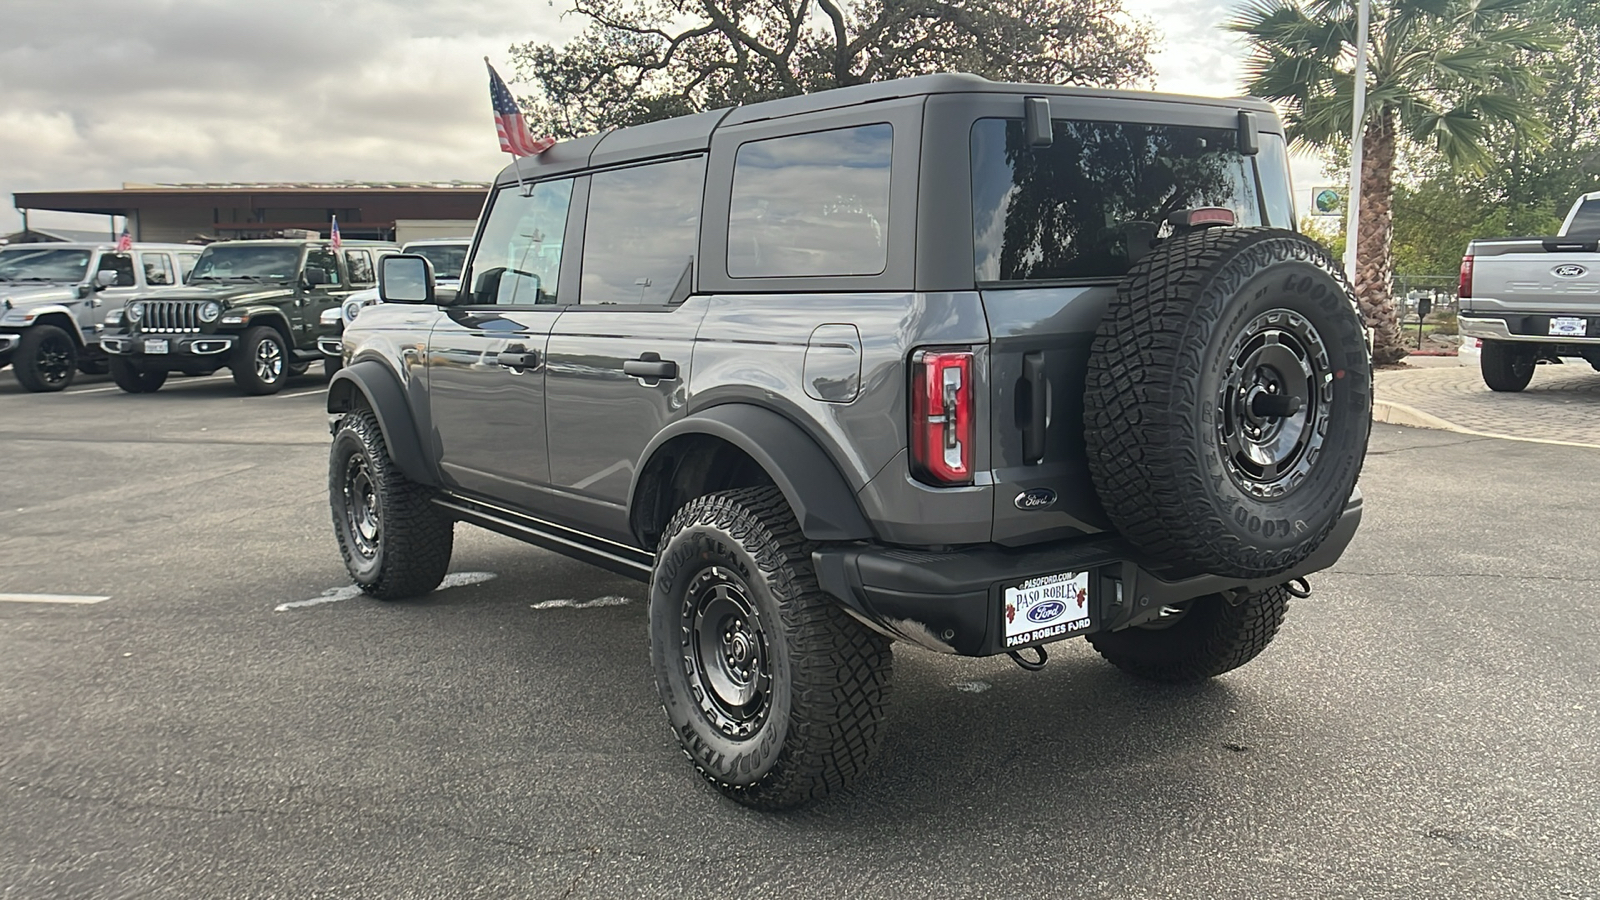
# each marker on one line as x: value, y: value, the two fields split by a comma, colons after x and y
x: 1534, y: 299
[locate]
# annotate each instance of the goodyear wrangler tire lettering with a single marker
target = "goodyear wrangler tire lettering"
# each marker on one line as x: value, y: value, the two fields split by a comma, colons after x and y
x: 775, y: 694
x: 1229, y: 391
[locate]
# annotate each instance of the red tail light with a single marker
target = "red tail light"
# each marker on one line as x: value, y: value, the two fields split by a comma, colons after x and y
x: 941, y: 417
x: 1465, y: 292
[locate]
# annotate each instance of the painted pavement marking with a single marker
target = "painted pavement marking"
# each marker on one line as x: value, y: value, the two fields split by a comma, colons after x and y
x: 81, y: 599
x: 568, y: 603
x: 334, y: 595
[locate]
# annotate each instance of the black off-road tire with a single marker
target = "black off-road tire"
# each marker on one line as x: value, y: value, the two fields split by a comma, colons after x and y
x: 296, y: 369
x: 1198, y: 640
x: 46, y: 359
x: 1204, y: 330
x: 135, y: 380
x: 395, y: 542
x: 331, y: 366
x: 260, y: 362
x: 1507, y: 366
x: 736, y: 562
x: 97, y: 365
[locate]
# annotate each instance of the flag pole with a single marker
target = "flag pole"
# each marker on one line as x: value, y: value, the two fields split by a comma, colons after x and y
x: 1352, y: 228
x: 516, y: 158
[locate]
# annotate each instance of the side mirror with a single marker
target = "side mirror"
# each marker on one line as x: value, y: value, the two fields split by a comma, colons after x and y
x: 315, y: 276
x: 406, y: 278
x: 104, y: 278
x: 85, y: 290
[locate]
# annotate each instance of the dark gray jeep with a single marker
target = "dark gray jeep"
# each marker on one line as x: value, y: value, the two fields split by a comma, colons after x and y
x: 968, y: 365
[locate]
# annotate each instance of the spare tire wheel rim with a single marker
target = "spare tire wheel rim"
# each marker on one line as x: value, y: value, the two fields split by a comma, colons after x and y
x: 1276, y: 398
x: 726, y: 655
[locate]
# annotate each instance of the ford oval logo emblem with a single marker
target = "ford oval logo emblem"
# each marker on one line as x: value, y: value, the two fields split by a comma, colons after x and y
x: 1044, y: 612
x: 1037, y: 498
x: 1570, y: 271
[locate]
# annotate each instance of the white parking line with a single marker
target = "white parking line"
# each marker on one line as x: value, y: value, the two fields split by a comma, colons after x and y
x: 96, y: 390
x: 51, y: 598
x: 608, y: 600
x: 302, y: 393
x: 334, y: 595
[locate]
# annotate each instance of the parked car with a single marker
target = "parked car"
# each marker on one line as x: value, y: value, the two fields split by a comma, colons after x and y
x: 1534, y: 300
x: 54, y: 299
x: 249, y: 306
x: 972, y: 366
x: 446, y: 255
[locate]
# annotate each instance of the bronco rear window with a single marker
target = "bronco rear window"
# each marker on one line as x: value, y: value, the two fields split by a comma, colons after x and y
x: 1069, y: 210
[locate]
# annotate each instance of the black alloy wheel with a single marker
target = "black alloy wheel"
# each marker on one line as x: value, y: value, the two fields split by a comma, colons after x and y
x: 362, y: 516
x: 1275, y: 402
x: 725, y: 652
x: 46, y: 359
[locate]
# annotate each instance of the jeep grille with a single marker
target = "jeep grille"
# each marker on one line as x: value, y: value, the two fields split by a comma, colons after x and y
x: 173, y: 316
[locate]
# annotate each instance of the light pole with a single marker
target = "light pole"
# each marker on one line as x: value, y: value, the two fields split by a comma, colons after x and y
x: 1352, y: 227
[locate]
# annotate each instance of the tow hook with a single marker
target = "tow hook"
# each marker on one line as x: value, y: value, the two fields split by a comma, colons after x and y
x: 1298, y: 587
x: 1032, y: 665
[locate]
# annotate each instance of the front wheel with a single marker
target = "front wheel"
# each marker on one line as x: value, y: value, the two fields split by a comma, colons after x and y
x: 775, y: 694
x: 1197, y: 639
x: 46, y: 360
x: 261, y: 361
x: 395, y: 542
x: 135, y: 380
x: 299, y: 368
x: 1507, y: 367
x: 331, y: 365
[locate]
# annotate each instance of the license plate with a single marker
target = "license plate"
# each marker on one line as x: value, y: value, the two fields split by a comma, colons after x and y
x: 1046, y: 608
x: 1568, y: 326
x: 155, y: 346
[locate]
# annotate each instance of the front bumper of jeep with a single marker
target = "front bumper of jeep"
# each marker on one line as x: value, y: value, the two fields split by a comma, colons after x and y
x: 956, y: 601
x: 8, y: 347
x: 173, y: 350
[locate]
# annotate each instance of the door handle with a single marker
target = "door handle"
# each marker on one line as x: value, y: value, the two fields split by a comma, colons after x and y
x: 651, y: 366
x: 518, y: 358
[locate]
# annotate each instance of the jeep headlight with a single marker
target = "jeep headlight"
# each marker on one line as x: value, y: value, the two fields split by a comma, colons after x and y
x: 210, y: 311
x: 135, y: 312
x: 351, y: 310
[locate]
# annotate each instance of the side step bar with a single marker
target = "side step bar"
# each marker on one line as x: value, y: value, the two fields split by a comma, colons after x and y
x: 608, y: 555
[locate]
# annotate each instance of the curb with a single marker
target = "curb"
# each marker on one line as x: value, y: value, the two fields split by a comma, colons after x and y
x: 1391, y: 413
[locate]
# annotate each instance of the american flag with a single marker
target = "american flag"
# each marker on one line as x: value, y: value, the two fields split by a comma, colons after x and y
x: 124, y: 240
x: 333, y: 236
x: 515, y: 138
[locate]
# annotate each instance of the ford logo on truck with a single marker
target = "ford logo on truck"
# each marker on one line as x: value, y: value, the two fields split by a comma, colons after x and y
x: 1570, y: 271
x: 1044, y: 612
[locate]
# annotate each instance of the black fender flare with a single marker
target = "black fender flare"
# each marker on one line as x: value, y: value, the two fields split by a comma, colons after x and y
x: 822, y: 500
x: 381, y: 389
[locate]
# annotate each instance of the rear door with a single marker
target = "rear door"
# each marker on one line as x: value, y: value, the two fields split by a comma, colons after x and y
x: 486, y: 356
x: 1055, y: 228
x: 619, y: 360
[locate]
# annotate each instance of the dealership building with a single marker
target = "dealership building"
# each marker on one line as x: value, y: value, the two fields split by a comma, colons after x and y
x: 209, y: 212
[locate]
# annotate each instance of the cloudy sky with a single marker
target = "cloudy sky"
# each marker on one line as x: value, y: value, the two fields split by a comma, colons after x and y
x: 95, y: 93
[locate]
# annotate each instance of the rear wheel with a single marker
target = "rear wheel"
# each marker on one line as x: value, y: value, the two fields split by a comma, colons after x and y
x: 46, y: 359
x: 93, y: 366
x: 1507, y: 366
x: 261, y: 361
x: 135, y: 380
x: 776, y: 695
x: 1197, y: 639
x: 1228, y: 402
x: 296, y: 369
x: 395, y: 542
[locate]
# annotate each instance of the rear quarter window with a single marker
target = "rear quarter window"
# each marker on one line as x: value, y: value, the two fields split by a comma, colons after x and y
x: 1586, y: 221
x: 1071, y: 210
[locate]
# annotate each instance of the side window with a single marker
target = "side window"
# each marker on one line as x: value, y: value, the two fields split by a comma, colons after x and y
x: 327, y: 262
x: 640, y: 236
x: 811, y: 204
x: 120, y: 263
x: 519, y: 254
x: 186, y: 265
x: 360, y: 264
x: 157, y: 268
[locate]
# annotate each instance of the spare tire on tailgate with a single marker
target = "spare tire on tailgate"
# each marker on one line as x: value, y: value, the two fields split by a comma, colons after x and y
x: 1228, y: 403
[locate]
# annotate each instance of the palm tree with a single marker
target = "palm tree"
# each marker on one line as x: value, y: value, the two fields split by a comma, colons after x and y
x: 1442, y: 74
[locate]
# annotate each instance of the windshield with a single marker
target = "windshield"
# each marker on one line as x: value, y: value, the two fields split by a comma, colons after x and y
x: 37, y: 264
x: 223, y: 263
x: 447, y: 259
x: 1072, y: 210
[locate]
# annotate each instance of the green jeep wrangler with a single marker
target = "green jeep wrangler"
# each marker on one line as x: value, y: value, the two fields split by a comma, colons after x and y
x: 249, y: 306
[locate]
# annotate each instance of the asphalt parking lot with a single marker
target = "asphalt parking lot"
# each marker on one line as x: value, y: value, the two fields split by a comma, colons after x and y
x: 228, y: 722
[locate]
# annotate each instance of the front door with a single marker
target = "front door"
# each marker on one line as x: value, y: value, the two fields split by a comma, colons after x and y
x: 486, y: 363
x: 619, y: 360
x: 306, y: 312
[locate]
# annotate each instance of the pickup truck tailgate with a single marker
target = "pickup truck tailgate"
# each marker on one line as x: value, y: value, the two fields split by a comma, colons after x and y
x: 1557, y: 276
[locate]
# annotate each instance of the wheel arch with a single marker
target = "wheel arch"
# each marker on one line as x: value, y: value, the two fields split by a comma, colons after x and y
x: 272, y: 317
x: 722, y: 447
x: 60, y: 317
x: 370, y: 383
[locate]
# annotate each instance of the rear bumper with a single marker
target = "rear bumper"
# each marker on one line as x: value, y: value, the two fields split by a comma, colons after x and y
x: 953, y: 602
x: 1528, y: 329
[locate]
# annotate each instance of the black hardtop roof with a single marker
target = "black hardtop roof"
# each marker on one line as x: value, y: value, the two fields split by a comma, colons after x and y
x: 686, y: 134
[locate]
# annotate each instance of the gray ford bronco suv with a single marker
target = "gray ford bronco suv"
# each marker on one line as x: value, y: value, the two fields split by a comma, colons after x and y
x: 967, y: 365
x: 252, y: 307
